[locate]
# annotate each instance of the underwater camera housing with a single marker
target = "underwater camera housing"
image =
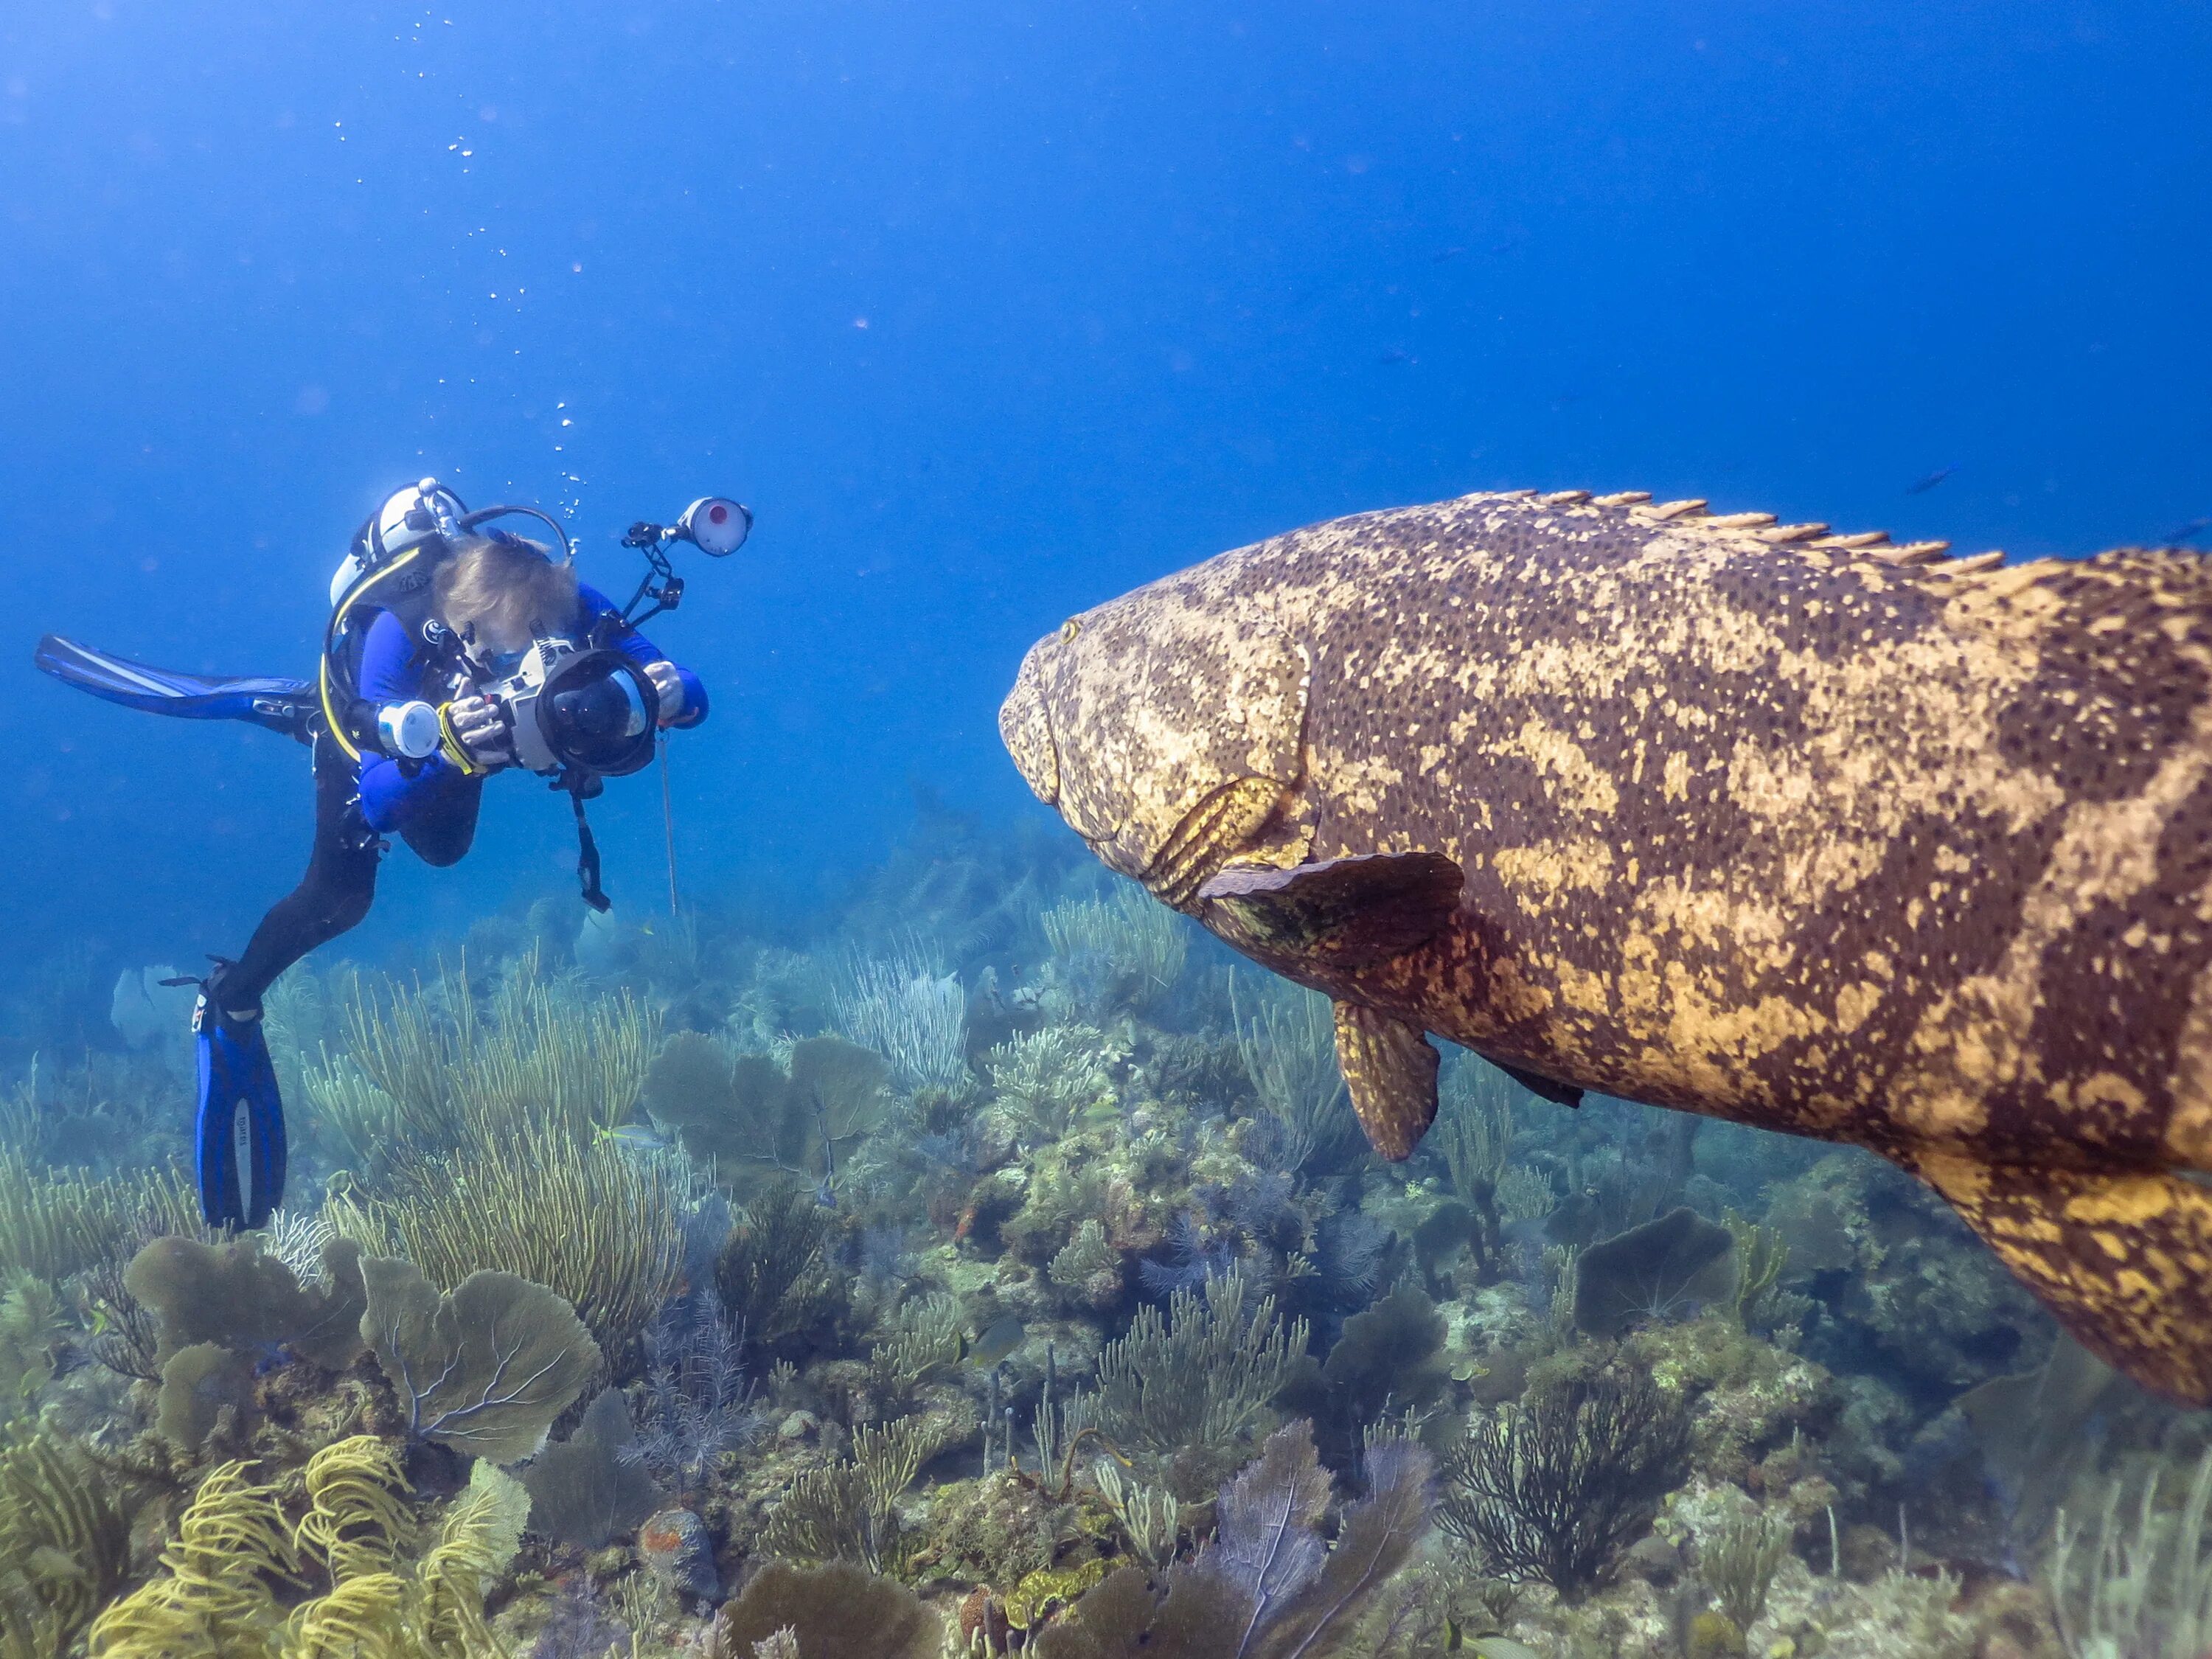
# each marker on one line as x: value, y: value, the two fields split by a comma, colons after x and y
x: 580, y: 708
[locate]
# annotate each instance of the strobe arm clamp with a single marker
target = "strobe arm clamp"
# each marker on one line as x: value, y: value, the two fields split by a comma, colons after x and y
x: 660, y: 583
x: 715, y: 525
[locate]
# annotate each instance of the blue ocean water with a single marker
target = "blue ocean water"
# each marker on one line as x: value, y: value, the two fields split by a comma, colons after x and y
x: 991, y: 312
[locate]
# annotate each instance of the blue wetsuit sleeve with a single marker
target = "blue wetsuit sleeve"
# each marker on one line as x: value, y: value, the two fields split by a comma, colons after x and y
x: 390, y: 799
x: 391, y: 668
x: 394, y: 670
x: 641, y: 650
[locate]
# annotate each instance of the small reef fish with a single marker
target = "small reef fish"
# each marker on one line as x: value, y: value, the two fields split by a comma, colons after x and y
x: 637, y: 1138
x: 2186, y: 532
x: 1927, y: 482
x: 1000, y: 1338
x: 1799, y: 830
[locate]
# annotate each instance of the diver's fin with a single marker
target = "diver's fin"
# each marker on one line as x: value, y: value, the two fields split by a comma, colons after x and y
x: 281, y: 705
x: 1390, y: 1069
x: 1562, y: 1094
x: 239, y: 1136
x: 1342, y: 912
x: 2123, y: 1258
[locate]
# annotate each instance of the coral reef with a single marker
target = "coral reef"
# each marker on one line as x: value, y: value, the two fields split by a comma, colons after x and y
x: 1558, y: 1488
x: 989, y: 1263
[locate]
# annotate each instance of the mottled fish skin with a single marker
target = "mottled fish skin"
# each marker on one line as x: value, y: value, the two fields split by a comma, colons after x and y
x: 1802, y: 831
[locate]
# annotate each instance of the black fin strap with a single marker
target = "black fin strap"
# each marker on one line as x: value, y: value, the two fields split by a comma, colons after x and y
x: 587, y: 856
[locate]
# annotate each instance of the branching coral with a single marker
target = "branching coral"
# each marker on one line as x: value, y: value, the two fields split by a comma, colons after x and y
x: 1089, y: 1270
x: 1759, y: 1302
x: 1051, y: 1081
x: 774, y: 1274
x: 358, y: 1522
x: 1123, y: 952
x: 214, y: 1600
x: 1199, y: 1379
x: 556, y: 1054
x: 31, y: 1323
x: 595, y: 1226
x: 1557, y: 1487
x: 924, y: 1339
x: 52, y: 1226
x: 697, y: 1402
x: 422, y: 1074
x: 915, y: 1019
x: 212, y: 1596
x: 1286, y: 1037
x: 1738, y: 1565
x: 1151, y: 1517
x: 2137, y: 1579
x: 1473, y: 1129
x: 845, y: 1510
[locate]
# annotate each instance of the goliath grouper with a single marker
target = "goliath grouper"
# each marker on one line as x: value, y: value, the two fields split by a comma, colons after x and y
x: 1803, y: 830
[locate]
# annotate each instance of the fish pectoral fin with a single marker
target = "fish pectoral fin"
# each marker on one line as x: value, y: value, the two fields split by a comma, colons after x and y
x: 1342, y: 912
x: 2122, y: 1258
x: 1390, y: 1069
x: 1562, y: 1094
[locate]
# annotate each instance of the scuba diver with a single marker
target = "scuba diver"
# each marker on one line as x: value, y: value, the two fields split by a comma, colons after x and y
x: 454, y: 650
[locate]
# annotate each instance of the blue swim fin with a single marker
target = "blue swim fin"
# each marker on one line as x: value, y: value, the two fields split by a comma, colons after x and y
x: 239, y: 1139
x: 281, y: 705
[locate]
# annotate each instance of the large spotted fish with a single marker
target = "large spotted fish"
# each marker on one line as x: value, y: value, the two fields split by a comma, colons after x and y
x: 1799, y: 830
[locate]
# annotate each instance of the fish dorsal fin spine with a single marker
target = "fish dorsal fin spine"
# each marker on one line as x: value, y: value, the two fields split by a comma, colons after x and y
x: 1690, y: 514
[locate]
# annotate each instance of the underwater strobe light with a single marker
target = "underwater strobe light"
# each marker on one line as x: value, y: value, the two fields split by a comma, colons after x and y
x: 716, y: 526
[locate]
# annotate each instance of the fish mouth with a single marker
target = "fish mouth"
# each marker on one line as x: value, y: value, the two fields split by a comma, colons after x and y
x: 1025, y: 728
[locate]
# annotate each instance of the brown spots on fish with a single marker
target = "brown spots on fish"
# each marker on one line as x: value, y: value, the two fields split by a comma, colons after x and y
x: 2122, y: 1258
x: 1754, y: 819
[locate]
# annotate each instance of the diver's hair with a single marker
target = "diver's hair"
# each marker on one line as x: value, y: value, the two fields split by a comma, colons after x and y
x: 506, y: 586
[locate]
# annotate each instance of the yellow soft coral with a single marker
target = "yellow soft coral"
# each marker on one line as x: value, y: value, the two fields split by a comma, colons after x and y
x: 216, y: 1598
x: 215, y: 1595
x: 360, y: 1523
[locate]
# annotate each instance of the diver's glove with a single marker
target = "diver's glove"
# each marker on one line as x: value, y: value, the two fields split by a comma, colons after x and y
x: 670, y: 683
x: 480, y: 726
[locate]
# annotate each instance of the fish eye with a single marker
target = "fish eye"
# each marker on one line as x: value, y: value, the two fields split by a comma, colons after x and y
x: 1070, y: 628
